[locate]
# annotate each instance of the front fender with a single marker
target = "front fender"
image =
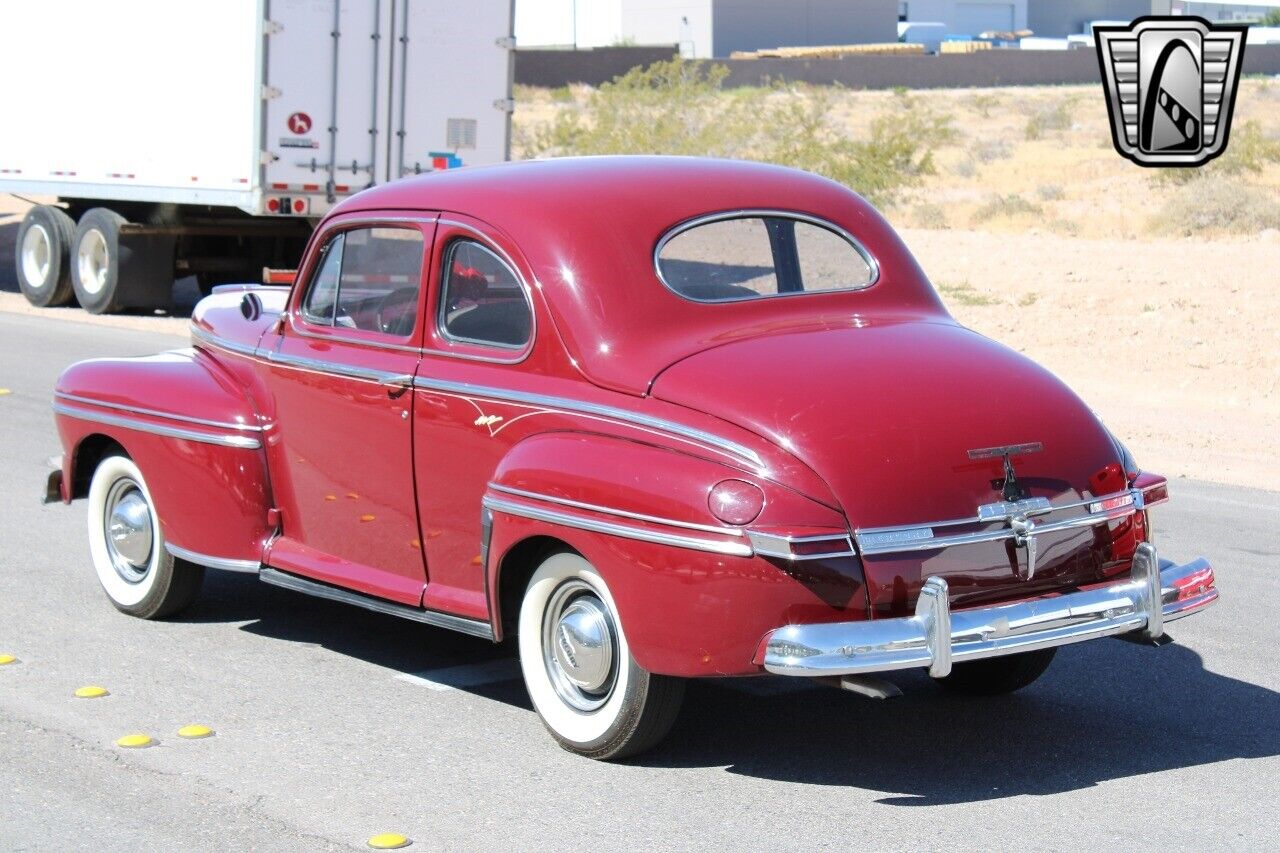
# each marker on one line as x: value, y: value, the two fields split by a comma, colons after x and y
x: 192, y: 431
x: 692, y: 596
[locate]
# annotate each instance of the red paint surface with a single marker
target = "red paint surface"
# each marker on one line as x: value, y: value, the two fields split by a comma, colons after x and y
x: 862, y: 407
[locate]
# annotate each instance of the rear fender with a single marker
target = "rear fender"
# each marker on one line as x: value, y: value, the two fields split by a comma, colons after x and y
x: 693, y: 597
x: 192, y: 431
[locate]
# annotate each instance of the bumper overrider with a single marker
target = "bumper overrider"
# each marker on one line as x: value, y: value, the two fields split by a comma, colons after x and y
x: 1157, y: 591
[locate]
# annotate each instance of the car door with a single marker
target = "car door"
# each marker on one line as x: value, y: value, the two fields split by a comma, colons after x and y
x: 340, y: 370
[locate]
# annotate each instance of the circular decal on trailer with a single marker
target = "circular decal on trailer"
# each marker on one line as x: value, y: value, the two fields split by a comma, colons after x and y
x: 299, y: 123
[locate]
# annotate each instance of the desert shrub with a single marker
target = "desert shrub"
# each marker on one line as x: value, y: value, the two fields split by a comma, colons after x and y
x: 1049, y: 118
x: 1249, y: 150
x: 1049, y: 192
x: 964, y: 293
x: 1005, y: 205
x: 926, y: 214
x: 990, y: 150
x: 1218, y: 204
x: 681, y: 107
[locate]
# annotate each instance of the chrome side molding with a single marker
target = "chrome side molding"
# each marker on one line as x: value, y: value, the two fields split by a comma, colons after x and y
x: 243, y: 442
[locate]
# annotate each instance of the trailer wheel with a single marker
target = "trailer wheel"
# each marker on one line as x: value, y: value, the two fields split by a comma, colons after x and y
x: 44, y: 239
x: 111, y: 273
x: 95, y: 261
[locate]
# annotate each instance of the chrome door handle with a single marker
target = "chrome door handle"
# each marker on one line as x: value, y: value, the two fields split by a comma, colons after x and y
x: 397, y: 385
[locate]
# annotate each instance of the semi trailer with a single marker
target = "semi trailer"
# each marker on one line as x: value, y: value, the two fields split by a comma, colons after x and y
x: 206, y: 137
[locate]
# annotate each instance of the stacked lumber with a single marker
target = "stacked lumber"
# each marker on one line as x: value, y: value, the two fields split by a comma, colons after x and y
x: 963, y: 46
x: 830, y: 51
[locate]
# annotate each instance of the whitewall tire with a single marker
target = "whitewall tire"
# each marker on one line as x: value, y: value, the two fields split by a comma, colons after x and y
x: 127, y: 545
x: 591, y: 694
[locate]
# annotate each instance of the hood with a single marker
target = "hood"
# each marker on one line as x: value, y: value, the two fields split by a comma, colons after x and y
x: 887, y: 412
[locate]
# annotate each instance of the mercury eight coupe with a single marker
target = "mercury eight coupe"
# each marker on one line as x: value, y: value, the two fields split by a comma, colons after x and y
x: 655, y: 418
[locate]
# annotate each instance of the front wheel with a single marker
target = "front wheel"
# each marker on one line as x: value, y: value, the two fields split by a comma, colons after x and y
x: 592, y: 696
x: 998, y: 675
x: 139, y: 576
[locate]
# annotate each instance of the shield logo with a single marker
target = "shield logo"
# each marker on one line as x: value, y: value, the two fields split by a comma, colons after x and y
x: 1170, y: 85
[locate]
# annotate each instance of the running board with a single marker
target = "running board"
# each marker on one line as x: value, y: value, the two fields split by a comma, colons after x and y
x: 474, y: 627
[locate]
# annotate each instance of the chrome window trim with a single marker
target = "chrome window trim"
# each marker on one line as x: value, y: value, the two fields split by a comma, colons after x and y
x: 243, y: 442
x: 138, y: 410
x: 440, y: 298
x: 749, y: 213
x: 926, y: 540
x: 341, y: 228
x: 225, y: 563
x: 732, y: 549
x: 343, y: 339
x: 486, y: 241
x: 621, y: 513
x: 465, y: 389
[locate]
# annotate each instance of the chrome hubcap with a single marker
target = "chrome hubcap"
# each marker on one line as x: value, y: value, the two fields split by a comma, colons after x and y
x: 128, y: 527
x: 580, y: 646
x: 37, y: 250
x: 92, y: 261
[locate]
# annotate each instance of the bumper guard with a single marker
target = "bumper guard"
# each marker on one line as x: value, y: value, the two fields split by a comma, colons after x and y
x: 936, y: 637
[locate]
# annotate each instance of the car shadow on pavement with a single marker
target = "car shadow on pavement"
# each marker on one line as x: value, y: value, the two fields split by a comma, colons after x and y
x: 1104, y: 710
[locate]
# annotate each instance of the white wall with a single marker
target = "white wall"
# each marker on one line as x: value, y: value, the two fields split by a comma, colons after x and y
x: 547, y: 23
x: 948, y: 12
x: 683, y: 22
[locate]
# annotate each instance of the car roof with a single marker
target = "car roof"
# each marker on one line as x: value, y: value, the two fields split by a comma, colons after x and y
x: 588, y: 227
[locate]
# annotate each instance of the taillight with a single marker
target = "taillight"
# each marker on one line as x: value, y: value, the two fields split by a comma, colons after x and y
x: 735, y: 501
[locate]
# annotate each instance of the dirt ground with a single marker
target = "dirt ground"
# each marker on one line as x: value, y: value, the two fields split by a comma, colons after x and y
x: 1175, y: 342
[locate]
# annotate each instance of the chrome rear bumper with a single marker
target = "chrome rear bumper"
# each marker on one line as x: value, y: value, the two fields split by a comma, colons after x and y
x: 935, y: 637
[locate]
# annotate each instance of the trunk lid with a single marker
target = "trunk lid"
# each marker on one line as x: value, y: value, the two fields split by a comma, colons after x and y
x: 886, y: 413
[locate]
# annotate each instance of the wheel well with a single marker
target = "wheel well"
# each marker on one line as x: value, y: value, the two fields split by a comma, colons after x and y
x: 91, y: 450
x: 518, y: 565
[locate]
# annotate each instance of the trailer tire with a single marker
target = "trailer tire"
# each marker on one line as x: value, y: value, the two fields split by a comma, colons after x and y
x: 95, y: 261
x: 111, y: 273
x: 41, y: 256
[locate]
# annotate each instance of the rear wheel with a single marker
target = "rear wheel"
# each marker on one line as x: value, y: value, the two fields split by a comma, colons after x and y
x: 111, y: 273
x: 998, y: 675
x: 44, y: 240
x: 592, y: 696
x: 139, y: 576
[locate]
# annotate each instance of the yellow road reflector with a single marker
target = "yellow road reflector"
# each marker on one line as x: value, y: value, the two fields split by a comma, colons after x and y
x: 194, y: 731
x: 388, y: 841
x: 91, y: 691
x: 6, y: 659
x: 135, y: 741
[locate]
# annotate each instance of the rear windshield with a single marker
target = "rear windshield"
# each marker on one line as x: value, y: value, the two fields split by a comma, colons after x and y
x: 750, y: 256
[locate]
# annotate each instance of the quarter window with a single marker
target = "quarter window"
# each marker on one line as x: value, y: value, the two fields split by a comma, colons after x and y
x: 481, y: 300
x: 369, y: 279
x: 747, y: 257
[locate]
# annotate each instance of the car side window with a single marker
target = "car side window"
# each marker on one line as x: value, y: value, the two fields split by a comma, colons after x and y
x: 323, y: 296
x: 481, y: 300
x: 370, y: 280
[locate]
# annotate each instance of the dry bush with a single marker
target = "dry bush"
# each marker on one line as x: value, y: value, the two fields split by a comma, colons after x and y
x: 1049, y: 119
x: 1010, y: 205
x: 1218, y: 204
x: 1049, y: 192
x: 681, y: 107
x: 926, y: 214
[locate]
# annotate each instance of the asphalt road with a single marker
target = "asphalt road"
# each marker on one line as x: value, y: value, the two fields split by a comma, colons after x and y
x: 334, y: 724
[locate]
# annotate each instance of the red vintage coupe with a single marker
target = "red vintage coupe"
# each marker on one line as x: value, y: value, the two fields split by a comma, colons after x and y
x: 656, y: 418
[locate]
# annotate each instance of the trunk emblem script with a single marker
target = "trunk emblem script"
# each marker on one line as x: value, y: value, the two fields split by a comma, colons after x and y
x: 1016, y: 509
